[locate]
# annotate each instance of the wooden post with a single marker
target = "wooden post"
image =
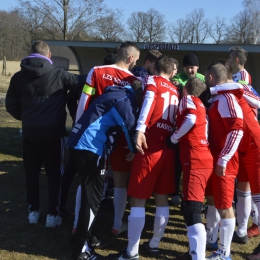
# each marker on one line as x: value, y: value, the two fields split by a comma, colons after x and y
x: 4, y: 67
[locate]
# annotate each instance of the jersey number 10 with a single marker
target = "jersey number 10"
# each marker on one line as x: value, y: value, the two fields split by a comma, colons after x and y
x: 170, y: 106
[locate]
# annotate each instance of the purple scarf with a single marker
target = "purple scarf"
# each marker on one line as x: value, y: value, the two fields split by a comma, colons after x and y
x: 37, y: 55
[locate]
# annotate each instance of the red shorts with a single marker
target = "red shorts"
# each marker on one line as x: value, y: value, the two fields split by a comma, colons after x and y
x: 222, y: 189
x: 249, y: 167
x: 118, y: 157
x: 152, y: 172
x: 194, y: 182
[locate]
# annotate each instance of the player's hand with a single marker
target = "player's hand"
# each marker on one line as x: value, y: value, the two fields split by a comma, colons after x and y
x: 130, y: 156
x: 220, y: 170
x: 140, y: 142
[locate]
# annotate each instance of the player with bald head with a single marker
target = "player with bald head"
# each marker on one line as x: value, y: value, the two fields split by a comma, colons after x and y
x: 225, y: 133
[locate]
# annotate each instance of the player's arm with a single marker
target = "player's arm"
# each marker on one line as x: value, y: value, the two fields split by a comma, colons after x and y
x: 146, y: 112
x: 251, y: 96
x: 234, y: 124
x: 189, y: 121
x: 87, y: 92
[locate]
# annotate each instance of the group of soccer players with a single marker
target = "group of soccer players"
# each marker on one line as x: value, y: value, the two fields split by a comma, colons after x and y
x: 211, y: 124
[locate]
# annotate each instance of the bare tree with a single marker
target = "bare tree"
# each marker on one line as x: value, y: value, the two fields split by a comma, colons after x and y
x: 109, y: 27
x: 198, y: 26
x: 178, y: 31
x: 193, y: 29
x: 11, y: 35
x: 253, y: 7
x: 63, y: 19
x: 137, y: 27
x: 147, y: 26
x: 240, y: 30
x: 156, y: 26
x: 218, y: 29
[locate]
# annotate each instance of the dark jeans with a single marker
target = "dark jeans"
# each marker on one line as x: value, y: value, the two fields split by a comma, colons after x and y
x: 91, y: 168
x: 49, y: 153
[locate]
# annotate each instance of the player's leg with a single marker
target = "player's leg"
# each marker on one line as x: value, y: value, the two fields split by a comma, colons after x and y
x: 223, y: 191
x: 212, y: 226
x: 120, y: 199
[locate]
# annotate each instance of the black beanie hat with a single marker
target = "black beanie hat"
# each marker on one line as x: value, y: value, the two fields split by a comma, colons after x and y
x: 110, y: 59
x: 190, y: 60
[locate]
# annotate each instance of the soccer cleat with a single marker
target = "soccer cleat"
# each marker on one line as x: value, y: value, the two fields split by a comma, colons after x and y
x: 34, y: 217
x: 239, y: 240
x: 154, y: 252
x: 122, y: 256
x: 185, y: 256
x: 90, y: 255
x: 117, y: 232
x: 218, y: 256
x: 253, y: 231
x: 96, y: 242
x: 176, y: 201
x: 212, y: 246
x: 53, y: 221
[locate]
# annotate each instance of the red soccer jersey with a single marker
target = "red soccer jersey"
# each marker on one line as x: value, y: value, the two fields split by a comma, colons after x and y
x: 225, y: 130
x: 192, y: 134
x: 242, y: 75
x: 98, y: 79
x: 158, y: 112
x: 251, y: 126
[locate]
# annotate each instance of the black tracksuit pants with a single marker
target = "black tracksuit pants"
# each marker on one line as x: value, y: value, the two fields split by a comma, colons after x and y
x: 49, y: 153
x: 91, y: 168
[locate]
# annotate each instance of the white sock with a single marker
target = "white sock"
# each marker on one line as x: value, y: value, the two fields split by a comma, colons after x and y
x: 136, y: 221
x: 226, y: 230
x: 85, y: 248
x: 254, y: 213
x: 160, y: 222
x: 120, y: 197
x: 197, y: 241
x: 77, y: 206
x: 243, y: 208
x: 256, y: 199
x: 213, y: 219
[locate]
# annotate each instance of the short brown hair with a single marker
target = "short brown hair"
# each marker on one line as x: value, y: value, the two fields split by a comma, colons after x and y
x: 122, y: 51
x: 40, y: 47
x: 164, y: 64
x: 195, y: 86
x: 240, y: 53
x: 219, y: 71
x: 152, y: 55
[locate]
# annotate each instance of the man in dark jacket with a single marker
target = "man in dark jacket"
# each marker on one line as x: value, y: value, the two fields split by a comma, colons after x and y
x: 37, y: 97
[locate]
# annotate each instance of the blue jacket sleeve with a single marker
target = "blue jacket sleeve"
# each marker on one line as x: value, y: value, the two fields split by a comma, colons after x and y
x: 125, y: 113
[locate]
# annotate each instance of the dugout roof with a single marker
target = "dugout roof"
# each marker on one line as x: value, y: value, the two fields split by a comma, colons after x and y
x: 84, y: 55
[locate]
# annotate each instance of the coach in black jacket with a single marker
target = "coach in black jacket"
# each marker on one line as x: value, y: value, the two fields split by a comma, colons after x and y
x: 37, y: 97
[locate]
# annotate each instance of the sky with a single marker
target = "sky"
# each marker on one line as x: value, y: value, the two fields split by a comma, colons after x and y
x: 172, y: 9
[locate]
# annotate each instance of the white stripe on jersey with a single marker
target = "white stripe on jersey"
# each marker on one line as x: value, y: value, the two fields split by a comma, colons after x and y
x: 224, y: 87
x: 147, y: 103
x: 232, y: 141
x: 226, y: 103
x: 252, y: 99
x: 188, y: 123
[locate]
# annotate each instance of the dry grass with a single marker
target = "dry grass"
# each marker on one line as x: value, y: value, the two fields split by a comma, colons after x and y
x: 21, y: 241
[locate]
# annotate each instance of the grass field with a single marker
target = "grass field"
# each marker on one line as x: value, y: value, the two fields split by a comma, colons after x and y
x: 21, y: 241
